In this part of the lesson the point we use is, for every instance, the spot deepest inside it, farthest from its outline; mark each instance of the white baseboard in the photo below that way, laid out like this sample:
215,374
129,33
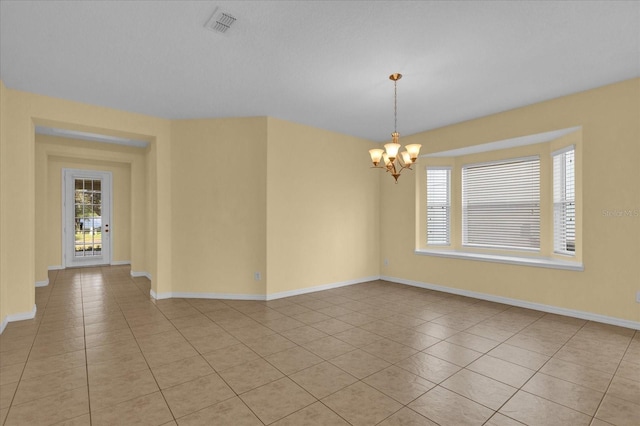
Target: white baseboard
520,303
18,317
297,292
113,263
461,292
136,274
42,283
228,296
272,296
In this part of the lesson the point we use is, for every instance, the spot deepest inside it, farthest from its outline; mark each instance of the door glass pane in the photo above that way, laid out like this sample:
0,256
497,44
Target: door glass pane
88,217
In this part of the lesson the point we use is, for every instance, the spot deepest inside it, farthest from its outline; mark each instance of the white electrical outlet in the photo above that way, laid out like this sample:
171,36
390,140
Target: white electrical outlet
386,262
257,276
638,296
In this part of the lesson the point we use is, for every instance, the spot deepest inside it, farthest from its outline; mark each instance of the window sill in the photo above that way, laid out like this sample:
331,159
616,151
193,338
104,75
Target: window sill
541,262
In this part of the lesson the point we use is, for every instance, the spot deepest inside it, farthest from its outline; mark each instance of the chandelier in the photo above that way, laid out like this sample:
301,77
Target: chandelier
393,163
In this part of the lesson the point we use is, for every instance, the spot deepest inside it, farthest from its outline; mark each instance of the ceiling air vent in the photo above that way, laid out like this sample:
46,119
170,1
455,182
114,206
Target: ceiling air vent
220,21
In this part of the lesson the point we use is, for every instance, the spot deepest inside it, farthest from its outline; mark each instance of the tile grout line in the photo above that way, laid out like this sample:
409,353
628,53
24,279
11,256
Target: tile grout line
263,358
86,357
214,370
142,353
604,395
487,354
540,368
319,400
463,367
35,335
361,380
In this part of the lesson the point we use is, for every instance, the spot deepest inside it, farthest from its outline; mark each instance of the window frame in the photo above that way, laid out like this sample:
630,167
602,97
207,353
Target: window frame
541,145
447,205
565,202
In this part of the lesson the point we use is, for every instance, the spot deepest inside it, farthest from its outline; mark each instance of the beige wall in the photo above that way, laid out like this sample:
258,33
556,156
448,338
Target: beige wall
301,206
4,298
127,165
257,209
322,208
21,112
610,120
18,207
219,205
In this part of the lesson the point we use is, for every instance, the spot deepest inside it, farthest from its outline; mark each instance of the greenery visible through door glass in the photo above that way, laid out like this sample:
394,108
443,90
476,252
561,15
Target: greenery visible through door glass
88,217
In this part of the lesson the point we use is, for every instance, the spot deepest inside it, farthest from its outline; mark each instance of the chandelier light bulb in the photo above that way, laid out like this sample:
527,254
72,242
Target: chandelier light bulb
392,150
376,155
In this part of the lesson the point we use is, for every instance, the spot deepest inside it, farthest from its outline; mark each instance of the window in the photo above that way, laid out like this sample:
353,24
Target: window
514,201
564,202
501,204
438,205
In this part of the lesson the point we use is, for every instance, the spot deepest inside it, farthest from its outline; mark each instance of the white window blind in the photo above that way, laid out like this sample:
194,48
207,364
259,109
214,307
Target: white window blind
501,204
564,202
438,205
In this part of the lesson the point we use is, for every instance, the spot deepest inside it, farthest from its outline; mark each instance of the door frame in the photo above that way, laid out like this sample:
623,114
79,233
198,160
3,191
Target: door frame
107,180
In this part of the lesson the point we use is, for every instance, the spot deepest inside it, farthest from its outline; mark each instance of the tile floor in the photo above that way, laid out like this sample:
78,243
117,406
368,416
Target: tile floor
101,352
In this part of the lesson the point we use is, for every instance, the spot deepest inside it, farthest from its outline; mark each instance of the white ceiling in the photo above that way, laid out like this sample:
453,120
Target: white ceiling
321,63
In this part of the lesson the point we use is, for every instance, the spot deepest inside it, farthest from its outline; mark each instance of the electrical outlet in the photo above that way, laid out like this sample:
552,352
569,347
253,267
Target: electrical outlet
257,276
638,296
386,262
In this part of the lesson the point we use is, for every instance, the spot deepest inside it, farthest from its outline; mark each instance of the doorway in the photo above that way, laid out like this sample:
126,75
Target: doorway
86,215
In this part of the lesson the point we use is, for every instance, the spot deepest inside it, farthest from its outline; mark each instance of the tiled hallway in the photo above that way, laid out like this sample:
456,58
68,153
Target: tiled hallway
101,352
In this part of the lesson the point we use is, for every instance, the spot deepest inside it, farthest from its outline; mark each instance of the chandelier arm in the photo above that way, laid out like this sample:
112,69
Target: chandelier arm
404,166
391,168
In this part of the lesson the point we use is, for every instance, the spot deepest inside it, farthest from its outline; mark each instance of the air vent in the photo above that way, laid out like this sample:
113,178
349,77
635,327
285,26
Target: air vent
220,21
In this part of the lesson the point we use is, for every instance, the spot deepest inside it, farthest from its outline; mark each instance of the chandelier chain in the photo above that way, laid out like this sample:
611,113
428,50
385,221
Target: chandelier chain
395,105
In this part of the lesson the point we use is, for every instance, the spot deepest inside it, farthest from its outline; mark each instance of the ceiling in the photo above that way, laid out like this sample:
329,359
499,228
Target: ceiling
320,63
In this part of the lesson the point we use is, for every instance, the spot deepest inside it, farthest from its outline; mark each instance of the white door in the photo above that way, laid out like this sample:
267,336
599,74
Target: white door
86,218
